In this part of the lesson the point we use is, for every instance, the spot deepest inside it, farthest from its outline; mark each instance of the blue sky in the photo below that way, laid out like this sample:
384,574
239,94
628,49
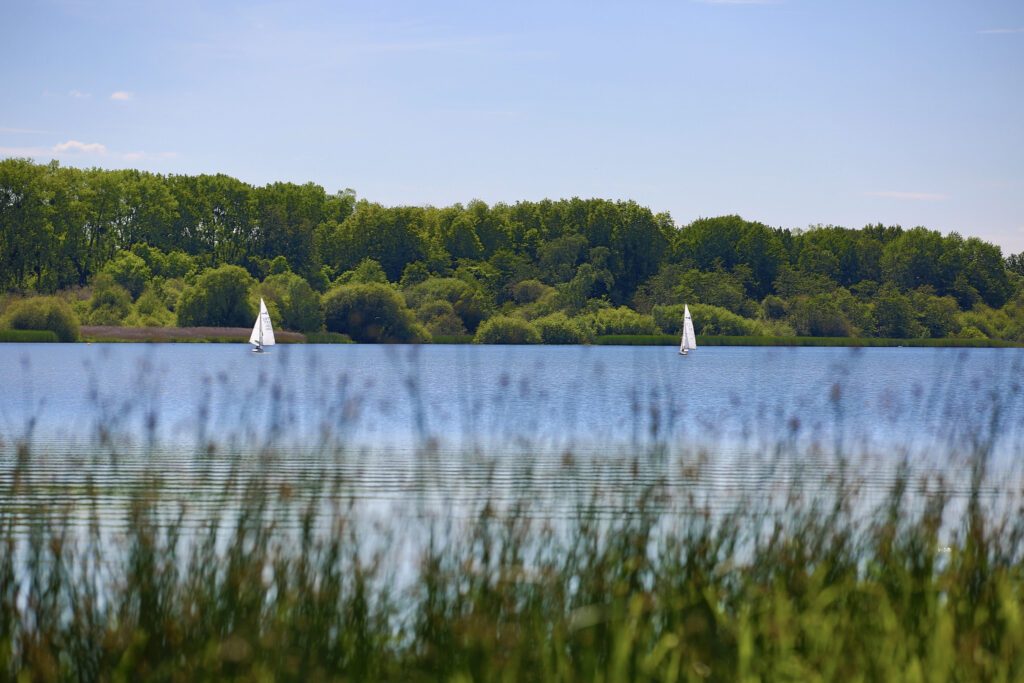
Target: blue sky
791,112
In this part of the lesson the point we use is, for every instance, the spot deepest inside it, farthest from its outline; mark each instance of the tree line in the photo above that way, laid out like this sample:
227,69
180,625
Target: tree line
144,248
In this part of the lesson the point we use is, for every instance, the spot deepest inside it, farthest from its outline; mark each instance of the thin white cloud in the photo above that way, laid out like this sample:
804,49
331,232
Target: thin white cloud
1000,31
75,148
910,196
83,147
78,94
121,96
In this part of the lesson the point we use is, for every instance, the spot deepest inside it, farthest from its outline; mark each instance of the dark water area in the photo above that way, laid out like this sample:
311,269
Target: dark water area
411,428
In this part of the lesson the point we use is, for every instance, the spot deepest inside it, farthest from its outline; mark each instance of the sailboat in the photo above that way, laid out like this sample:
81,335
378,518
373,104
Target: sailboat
262,332
689,339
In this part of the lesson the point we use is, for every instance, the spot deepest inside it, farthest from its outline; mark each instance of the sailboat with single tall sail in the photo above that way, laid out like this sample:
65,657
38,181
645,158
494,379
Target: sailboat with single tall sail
689,339
262,332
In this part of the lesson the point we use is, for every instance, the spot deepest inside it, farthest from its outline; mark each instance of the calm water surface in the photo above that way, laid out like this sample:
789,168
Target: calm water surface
395,421
499,396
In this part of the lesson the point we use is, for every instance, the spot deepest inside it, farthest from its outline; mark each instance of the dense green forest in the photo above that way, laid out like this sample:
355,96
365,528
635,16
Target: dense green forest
124,247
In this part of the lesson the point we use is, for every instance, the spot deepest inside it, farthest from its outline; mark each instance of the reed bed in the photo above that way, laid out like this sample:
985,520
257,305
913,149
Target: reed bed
28,336
265,584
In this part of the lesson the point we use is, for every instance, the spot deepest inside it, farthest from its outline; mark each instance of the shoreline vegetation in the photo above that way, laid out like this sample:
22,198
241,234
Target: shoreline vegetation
124,248
235,335
110,333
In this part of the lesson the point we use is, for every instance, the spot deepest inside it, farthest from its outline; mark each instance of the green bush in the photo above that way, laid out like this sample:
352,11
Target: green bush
529,291
970,332
669,319
558,328
468,301
43,313
278,266
995,323
170,291
936,315
366,272
773,307
709,320
440,318
178,265
503,329
719,288
220,297
371,312
414,274
895,316
151,311
622,320
110,303
297,303
130,271
819,316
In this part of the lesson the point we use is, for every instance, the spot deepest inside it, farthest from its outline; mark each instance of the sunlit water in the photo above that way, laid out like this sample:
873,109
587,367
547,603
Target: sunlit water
409,428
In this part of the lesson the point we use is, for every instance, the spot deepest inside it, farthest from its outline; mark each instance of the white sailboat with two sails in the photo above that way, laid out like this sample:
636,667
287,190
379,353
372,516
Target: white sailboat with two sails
688,342
262,332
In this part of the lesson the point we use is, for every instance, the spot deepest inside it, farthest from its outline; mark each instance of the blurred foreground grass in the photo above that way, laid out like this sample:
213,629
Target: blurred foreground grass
268,586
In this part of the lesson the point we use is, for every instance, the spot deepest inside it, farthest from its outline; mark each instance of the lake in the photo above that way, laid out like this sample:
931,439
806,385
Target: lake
501,397
452,422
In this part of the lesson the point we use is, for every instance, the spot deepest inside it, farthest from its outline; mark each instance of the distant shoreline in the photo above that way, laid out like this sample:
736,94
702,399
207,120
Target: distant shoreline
112,334
856,342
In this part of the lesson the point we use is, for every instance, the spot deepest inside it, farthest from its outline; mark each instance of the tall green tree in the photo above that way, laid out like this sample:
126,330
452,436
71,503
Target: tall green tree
393,237
286,217
915,259
26,234
638,244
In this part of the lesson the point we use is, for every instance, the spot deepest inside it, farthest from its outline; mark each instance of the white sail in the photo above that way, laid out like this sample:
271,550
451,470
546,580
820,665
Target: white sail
688,341
254,338
262,332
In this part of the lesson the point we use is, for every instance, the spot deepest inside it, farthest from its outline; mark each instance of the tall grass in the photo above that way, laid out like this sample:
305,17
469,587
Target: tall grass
265,578
28,336
814,592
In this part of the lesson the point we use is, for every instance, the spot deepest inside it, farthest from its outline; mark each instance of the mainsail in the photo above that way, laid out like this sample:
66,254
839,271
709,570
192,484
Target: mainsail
262,332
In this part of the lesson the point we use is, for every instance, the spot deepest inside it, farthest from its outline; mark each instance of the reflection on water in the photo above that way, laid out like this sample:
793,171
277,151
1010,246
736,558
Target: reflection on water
410,430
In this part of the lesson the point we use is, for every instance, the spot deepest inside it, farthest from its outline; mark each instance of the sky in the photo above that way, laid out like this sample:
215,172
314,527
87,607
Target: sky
790,112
